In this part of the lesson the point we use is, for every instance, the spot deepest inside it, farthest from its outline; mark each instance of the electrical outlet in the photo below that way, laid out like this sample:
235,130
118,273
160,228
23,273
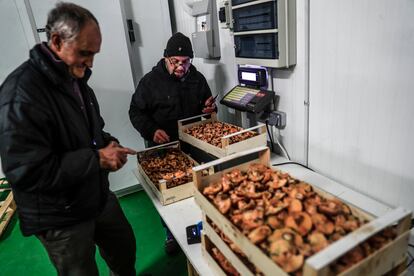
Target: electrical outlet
277,119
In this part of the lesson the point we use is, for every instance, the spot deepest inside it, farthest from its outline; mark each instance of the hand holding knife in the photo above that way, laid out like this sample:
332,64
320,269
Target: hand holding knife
210,104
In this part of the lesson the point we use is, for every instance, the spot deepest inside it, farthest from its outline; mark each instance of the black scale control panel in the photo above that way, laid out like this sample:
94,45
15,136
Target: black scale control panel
247,99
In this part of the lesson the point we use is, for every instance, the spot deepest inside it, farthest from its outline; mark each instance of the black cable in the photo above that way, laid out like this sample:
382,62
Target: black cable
412,260
292,162
270,137
411,256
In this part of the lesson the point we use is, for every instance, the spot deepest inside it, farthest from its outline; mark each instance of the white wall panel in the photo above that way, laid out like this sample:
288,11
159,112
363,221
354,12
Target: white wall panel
14,45
361,91
152,28
291,85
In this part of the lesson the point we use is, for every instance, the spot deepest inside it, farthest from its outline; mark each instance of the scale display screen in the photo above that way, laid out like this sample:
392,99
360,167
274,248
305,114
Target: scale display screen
249,76
247,99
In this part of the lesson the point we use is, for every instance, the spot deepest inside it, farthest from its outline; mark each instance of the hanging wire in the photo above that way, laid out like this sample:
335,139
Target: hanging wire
270,137
293,163
285,153
412,260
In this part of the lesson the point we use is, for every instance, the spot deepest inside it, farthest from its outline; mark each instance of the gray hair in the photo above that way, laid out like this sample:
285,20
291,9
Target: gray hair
67,19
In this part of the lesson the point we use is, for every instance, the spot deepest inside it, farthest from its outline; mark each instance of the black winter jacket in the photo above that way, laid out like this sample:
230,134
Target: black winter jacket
48,148
160,100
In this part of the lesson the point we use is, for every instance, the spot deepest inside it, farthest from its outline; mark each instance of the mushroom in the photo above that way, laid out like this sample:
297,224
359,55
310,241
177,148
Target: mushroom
323,224
179,174
258,167
295,206
294,193
330,207
279,247
274,206
237,219
259,234
292,263
273,222
317,241
252,219
351,224
243,205
225,181
251,191
301,222
213,188
286,234
350,258
276,182
279,195
267,176
222,202
255,176
304,189
168,176
280,252
235,198
236,176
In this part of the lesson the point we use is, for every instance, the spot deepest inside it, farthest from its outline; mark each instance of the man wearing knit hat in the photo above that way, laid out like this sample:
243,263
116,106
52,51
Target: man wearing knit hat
173,90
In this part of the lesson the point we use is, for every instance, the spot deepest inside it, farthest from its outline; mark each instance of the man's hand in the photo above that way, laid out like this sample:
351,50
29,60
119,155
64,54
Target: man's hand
210,105
113,156
161,137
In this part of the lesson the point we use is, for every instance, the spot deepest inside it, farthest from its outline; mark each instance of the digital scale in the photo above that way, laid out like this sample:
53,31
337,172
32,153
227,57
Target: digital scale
248,96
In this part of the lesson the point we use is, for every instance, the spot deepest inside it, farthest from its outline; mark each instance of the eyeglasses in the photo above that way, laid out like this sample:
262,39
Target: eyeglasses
176,63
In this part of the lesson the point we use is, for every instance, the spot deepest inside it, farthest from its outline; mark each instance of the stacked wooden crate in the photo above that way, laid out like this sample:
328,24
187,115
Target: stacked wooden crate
165,194
389,258
7,205
226,146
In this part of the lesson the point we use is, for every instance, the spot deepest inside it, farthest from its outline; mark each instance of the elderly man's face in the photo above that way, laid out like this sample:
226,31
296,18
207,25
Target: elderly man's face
79,53
178,65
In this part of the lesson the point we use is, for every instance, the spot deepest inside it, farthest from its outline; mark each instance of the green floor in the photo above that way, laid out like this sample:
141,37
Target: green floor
22,256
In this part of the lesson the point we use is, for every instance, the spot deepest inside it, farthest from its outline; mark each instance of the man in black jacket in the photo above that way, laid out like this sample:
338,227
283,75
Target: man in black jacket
173,90
56,155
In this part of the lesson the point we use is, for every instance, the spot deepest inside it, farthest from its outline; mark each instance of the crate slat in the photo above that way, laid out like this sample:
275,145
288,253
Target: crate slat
7,209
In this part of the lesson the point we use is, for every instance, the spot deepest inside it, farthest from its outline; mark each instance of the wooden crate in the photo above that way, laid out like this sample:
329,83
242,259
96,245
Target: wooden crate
383,260
7,209
226,148
167,195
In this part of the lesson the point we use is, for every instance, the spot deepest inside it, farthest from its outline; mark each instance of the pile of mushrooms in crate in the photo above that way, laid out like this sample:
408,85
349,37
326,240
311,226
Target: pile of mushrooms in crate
170,165
286,218
213,132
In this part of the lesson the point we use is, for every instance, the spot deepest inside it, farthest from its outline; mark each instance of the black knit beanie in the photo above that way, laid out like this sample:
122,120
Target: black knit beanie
178,45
